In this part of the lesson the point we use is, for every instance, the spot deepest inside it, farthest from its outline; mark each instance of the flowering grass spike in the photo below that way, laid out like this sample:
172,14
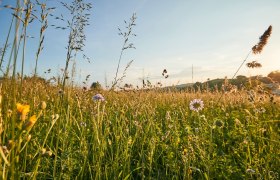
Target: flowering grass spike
196,105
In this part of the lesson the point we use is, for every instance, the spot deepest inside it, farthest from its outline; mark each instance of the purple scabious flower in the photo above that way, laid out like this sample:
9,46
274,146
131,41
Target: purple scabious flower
98,97
196,105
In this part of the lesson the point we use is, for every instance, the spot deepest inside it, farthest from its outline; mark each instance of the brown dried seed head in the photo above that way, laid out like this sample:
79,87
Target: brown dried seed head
254,64
257,49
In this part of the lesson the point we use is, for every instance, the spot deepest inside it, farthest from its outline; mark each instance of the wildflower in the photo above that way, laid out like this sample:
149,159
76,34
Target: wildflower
22,110
98,97
29,124
196,105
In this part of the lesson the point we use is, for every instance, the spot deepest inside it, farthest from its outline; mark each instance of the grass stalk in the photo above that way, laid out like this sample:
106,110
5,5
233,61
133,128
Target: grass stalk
6,43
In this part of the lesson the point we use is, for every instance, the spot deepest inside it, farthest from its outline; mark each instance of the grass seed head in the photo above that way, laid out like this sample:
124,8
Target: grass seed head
254,64
257,49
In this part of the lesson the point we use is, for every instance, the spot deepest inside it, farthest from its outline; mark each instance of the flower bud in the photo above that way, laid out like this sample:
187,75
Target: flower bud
43,105
43,151
28,138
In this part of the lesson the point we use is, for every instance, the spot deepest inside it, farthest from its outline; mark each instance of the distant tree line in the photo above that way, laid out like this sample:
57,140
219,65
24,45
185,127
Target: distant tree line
275,76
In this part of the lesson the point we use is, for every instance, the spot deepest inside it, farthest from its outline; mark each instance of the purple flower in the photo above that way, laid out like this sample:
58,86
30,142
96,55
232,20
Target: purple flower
98,97
196,105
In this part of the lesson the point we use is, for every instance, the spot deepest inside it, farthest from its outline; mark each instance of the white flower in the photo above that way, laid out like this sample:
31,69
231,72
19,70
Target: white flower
196,105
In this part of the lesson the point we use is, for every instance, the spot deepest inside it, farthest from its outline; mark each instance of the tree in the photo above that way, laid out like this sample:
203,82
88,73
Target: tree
275,75
241,77
96,85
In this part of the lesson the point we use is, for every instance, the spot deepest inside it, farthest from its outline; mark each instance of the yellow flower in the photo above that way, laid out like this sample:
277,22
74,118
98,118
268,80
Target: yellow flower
23,110
29,124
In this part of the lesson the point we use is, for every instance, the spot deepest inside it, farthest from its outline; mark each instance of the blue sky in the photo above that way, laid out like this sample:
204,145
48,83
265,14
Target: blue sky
212,35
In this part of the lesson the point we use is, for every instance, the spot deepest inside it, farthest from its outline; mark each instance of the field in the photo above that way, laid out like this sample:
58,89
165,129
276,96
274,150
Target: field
55,129
138,134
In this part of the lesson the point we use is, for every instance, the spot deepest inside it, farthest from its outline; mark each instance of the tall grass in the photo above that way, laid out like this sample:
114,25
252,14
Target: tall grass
126,35
141,135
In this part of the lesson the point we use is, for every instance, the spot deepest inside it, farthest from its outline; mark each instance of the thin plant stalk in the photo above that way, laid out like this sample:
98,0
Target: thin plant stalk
237,71
23,58
15,57
126,45
78,10
44,25
14,173
257,49
6,43
25,24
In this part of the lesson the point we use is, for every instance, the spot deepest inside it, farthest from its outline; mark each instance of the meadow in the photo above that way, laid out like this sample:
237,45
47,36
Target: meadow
135,135
56,130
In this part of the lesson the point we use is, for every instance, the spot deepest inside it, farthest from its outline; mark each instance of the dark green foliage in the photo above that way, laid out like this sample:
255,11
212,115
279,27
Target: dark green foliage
275,76
96,86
